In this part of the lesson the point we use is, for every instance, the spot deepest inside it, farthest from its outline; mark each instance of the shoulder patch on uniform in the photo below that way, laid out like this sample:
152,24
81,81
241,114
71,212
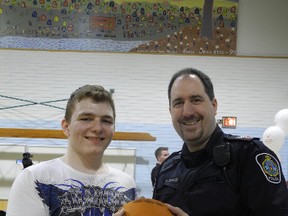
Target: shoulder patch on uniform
270,167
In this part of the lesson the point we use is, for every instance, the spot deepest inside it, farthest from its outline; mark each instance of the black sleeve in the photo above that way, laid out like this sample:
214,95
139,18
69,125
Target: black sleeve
263,186
153,175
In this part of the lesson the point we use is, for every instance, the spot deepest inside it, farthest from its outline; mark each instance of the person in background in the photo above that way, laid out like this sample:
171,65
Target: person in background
161,154
216,173
79,183
27,161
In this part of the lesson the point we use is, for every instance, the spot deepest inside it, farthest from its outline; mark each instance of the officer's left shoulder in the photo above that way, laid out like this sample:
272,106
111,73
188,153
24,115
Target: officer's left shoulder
230,137
244,139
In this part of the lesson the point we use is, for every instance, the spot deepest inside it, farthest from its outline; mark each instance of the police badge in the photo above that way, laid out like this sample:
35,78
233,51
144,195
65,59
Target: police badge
270,167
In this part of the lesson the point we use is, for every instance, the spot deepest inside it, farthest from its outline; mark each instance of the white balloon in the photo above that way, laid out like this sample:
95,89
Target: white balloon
273,138
281,120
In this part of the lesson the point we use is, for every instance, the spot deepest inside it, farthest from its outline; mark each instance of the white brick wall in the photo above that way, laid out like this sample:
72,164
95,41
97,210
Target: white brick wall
253,89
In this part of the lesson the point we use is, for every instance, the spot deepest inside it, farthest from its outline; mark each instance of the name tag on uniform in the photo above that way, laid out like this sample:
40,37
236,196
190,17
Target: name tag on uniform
172,180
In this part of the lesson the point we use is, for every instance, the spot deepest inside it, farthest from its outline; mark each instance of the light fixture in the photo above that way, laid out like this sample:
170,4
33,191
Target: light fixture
229,122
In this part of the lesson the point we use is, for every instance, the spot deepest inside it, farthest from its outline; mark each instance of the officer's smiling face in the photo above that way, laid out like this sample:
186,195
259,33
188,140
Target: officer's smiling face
192,112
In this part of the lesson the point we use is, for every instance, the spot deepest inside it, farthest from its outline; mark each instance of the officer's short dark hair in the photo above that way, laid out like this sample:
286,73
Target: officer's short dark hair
209,89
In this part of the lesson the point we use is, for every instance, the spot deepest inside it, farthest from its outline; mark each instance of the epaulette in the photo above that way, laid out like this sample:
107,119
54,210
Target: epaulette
239,138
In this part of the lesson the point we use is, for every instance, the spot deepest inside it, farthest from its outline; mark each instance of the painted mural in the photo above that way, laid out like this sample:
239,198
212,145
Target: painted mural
201,27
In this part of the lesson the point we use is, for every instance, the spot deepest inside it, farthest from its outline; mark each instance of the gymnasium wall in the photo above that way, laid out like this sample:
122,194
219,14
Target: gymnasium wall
253,89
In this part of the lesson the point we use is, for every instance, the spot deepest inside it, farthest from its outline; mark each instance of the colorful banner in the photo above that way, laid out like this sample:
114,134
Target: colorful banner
200,27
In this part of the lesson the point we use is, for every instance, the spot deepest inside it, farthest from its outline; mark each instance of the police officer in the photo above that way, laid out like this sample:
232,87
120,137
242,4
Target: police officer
161,154
216,173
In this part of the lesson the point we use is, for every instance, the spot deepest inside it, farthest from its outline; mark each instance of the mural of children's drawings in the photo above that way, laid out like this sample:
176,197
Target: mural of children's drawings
200,27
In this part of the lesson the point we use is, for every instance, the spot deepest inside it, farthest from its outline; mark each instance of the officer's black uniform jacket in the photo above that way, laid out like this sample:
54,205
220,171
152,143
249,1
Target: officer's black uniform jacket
242,177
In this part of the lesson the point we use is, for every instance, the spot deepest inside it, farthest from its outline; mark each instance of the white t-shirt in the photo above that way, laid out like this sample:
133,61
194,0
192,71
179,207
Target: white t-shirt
54,188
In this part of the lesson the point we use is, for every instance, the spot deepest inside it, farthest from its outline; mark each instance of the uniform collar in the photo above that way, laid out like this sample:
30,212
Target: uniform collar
194,159
214,140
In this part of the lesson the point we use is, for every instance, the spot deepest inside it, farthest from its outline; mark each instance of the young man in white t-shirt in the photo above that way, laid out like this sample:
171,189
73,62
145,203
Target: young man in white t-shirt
79,183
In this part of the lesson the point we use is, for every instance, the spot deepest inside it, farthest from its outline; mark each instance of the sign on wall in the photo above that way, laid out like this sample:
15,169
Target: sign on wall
205,27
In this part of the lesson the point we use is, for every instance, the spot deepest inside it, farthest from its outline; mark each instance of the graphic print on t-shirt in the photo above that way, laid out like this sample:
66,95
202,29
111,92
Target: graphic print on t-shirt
76,198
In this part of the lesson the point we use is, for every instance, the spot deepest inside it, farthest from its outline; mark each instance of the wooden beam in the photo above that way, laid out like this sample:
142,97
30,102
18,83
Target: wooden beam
58,134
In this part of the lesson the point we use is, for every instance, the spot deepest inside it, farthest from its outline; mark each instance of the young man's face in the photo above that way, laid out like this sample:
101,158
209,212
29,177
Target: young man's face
91,128
192,112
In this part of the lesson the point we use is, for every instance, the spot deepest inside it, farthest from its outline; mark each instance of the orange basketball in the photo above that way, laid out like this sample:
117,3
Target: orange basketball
146,207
